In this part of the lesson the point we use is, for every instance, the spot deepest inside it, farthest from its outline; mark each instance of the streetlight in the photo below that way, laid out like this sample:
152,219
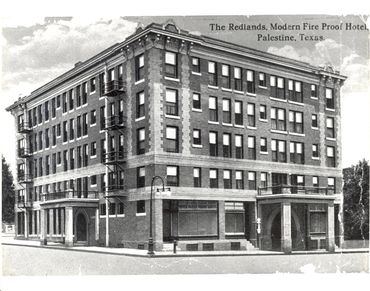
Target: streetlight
150,242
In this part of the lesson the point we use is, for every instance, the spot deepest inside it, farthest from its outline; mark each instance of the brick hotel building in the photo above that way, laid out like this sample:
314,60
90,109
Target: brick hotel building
249,144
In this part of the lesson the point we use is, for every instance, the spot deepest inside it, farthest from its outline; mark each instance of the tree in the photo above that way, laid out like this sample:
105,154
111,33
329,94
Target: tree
356,201
8,193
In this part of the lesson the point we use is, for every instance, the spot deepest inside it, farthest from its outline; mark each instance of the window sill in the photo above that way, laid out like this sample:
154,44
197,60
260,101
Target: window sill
140,118
279,131
213,122
239,126
196,110
172,116
331,138
120,215
199,146
196,73
263,87
296,103
238,92
226,89
92,157
59,137
92,125
263,120
314,98
227,124
46,121
264,153
58,108
213,87
140,214
316,158
315,128
278,99
297,134
251,127
93,186
84,105
251,94
93,92
140,81
172,79
330,109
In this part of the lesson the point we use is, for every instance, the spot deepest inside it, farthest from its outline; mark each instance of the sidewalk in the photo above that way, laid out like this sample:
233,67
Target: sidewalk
143,253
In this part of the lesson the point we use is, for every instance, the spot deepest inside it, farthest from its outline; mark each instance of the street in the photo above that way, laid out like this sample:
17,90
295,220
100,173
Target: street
21,260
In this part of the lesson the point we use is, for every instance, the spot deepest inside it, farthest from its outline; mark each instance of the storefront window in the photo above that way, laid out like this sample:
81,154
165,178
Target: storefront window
234,218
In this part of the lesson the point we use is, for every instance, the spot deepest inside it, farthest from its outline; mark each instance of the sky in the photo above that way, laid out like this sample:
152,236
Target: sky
37,49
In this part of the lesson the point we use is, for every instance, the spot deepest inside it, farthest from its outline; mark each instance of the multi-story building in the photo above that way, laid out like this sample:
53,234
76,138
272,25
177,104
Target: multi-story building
249,144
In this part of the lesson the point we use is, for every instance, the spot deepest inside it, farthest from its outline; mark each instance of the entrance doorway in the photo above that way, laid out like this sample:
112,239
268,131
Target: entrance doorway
276,233
81,227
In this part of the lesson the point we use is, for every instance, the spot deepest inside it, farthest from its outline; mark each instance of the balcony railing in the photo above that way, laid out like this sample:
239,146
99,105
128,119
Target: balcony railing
114,157
114,187
114,88
114,122
295,190
24,178
24,152
24,127
68,194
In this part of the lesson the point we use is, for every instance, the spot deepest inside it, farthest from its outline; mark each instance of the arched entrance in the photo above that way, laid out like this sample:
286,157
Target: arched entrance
81,227
276,233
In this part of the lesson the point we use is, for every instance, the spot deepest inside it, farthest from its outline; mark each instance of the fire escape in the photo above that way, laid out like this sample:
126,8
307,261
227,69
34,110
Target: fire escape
114,124
24,168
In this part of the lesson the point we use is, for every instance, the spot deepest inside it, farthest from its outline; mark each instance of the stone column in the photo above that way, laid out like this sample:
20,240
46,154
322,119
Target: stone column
51,222
330,227
97,224
43,226
69,226
221,219
259,215
158,221
56,231
107,222
341,226
62,226
26,217
286,228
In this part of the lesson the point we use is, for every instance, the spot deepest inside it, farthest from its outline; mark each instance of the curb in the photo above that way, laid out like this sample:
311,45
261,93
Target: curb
162,255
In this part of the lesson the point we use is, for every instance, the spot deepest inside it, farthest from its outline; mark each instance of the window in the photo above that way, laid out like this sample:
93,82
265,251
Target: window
197,137
252,180
85,153
92,117
296,121
262,79
171,64
263,144
40,140
226,114
172,139
212,73
46,105
71,129
278,149
329,98
54,136
78,96
296,152
330,127
226,145
102,182
196,101
172,176
53,109
331,185
313,91
315,183
102,117
251,115
238,84
92,85
213,145
213,109
239,149
140,177
238,112
70,99
93,180
278,119
139,65
280,88
34,114
315,150
140,206
297,182
120,208
65,160
140,104
71,159
250,82
197,177
213,179
39,113
225,73
84,124
47,140
103,149
234,218
314,123
140,141
41,167
93,149
263,180
239,181
273,87
171,102
195,65
64,98
227,179
79,157
330,156
263,113
295,91
251,147
79,131
58,101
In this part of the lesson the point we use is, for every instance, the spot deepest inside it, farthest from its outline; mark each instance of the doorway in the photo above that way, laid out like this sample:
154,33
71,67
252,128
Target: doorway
276,233
278,180
81,228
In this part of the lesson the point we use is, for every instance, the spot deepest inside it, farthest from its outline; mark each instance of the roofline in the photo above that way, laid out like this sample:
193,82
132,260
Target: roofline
205,41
